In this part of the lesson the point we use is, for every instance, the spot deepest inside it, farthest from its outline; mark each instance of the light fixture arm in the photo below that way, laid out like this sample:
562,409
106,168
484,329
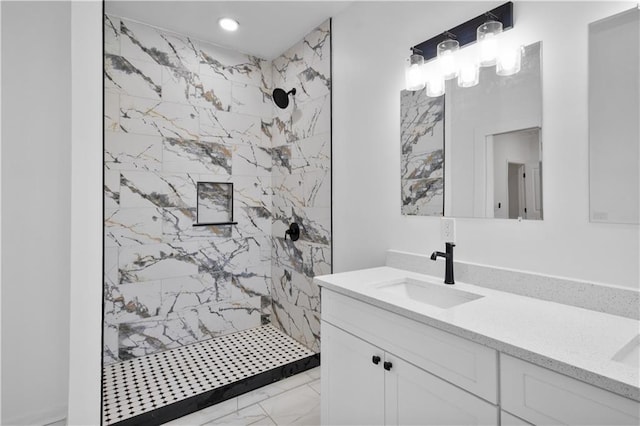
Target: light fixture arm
490,16
450,35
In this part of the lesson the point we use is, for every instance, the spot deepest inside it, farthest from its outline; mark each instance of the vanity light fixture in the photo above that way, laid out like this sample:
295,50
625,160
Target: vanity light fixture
432,74
509,61
447,57
445,51
435,85
468,68
469,74
413,71
228,24
487,36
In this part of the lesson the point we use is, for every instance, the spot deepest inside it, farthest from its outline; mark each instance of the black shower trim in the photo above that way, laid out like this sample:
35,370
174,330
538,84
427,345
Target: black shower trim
215,223
215,396
104,215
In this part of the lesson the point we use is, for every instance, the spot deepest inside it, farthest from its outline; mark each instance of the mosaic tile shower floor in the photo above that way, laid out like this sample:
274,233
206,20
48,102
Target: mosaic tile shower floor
141,385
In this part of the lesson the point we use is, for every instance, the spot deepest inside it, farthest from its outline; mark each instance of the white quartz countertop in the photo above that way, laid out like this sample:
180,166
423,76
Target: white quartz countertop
577,342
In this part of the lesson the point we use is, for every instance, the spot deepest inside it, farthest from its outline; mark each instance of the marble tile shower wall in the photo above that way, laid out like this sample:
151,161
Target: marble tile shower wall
179,111
301,178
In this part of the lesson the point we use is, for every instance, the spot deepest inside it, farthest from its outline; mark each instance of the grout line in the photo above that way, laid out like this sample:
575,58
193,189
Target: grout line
224,415
271,418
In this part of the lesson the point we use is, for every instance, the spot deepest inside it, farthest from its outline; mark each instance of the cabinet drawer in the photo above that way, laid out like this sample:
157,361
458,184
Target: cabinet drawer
454,359
544,397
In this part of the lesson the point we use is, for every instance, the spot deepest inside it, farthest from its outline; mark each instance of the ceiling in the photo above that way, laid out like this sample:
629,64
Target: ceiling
267,28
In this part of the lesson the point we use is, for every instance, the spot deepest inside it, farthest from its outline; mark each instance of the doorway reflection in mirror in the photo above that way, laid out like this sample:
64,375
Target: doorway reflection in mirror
516,192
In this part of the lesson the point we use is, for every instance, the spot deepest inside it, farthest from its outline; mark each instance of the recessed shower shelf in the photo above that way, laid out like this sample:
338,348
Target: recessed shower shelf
215,204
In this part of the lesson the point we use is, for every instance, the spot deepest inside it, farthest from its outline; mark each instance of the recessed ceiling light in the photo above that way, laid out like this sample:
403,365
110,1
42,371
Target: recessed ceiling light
228,24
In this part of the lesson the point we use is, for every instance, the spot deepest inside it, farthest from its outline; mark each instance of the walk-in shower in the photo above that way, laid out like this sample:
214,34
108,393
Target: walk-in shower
206,296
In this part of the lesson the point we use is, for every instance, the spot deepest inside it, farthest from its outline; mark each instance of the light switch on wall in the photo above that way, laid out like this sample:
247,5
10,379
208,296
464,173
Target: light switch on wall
448,229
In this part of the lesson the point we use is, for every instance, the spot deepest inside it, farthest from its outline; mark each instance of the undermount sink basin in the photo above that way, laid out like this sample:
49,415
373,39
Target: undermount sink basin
630,353
439,295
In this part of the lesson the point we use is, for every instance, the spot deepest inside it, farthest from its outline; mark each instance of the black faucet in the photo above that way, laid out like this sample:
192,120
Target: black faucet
448,270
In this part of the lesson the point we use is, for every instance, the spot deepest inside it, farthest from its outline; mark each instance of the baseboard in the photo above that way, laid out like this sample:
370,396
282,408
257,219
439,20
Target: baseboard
43,418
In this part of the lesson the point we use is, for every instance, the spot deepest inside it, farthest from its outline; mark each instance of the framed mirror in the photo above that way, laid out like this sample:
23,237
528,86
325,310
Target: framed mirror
476,152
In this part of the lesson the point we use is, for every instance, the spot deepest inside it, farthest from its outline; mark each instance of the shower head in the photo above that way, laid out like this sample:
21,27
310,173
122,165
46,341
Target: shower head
281,98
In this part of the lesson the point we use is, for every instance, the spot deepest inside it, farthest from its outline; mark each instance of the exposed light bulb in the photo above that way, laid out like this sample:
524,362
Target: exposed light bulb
509,61
435,86
447,58
488,51
469,75
228,24
487,39
414,76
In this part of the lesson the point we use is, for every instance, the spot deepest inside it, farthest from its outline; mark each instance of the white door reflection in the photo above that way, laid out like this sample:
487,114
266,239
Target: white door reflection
514,178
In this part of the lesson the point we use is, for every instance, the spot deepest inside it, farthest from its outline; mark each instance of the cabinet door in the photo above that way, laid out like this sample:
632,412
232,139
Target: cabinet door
352,385
415,397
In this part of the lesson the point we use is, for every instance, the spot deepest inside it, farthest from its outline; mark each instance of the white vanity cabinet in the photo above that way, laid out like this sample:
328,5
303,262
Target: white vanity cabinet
365,385
367,379
379,367
543,397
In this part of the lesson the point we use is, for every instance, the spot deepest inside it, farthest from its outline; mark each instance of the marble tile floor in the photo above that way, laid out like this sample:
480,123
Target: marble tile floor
291,401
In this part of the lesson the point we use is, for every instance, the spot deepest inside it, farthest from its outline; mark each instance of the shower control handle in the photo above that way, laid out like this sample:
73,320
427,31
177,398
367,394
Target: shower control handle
375,359
293,232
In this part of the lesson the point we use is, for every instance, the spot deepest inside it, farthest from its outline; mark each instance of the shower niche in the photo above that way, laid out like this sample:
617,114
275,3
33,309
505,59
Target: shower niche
214,204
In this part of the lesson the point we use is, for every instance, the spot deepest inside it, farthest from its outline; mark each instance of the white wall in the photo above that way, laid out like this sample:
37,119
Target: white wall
371,42
36,179
86,214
